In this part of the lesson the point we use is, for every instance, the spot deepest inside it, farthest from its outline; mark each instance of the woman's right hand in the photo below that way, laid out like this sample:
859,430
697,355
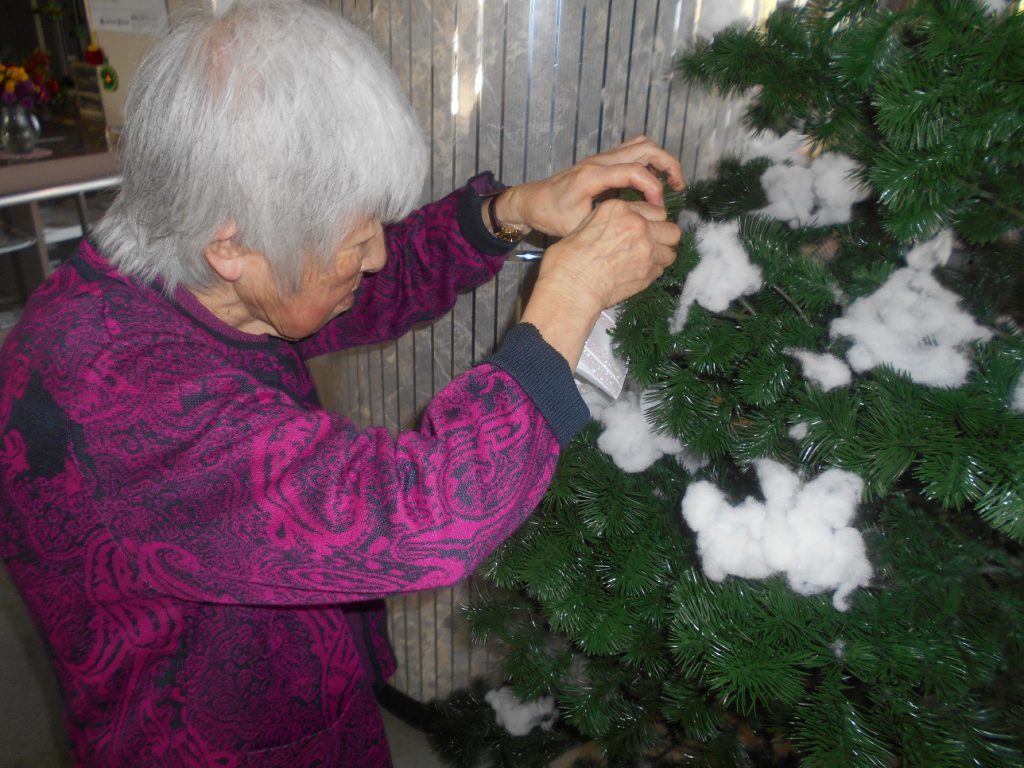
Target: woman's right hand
618,250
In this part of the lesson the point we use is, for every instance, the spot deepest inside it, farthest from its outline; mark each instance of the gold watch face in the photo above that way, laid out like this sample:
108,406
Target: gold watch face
509,234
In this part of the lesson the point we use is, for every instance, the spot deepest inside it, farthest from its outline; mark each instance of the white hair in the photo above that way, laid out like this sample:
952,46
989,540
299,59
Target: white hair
275,115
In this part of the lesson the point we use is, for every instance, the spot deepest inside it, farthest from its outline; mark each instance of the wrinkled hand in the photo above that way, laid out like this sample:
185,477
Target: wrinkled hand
556,205
617,250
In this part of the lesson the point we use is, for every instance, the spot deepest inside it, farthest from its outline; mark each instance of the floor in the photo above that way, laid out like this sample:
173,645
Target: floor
31,735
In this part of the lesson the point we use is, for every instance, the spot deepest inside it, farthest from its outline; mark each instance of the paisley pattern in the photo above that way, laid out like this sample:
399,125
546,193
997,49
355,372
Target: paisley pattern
203,548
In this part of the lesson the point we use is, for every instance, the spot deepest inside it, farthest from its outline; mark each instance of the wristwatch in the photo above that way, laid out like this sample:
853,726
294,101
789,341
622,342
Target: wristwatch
501,231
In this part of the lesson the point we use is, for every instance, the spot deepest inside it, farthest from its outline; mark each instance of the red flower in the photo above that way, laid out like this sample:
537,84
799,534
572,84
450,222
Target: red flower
94,55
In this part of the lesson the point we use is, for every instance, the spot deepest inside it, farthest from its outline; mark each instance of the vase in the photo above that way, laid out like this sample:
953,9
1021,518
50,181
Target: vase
19,129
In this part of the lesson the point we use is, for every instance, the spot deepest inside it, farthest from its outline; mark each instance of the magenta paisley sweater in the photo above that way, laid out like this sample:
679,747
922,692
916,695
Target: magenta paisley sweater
204,548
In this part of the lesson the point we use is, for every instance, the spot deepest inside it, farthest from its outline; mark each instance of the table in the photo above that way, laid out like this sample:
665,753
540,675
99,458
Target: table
24,185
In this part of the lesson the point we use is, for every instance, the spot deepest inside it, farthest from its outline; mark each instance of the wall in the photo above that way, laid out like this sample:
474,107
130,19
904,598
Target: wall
124,51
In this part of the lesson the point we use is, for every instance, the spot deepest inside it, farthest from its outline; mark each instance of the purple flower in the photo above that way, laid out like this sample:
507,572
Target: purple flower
8,97
27,102
25,89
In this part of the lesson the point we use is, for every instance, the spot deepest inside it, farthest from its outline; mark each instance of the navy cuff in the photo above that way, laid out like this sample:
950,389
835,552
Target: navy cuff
469,214
545,375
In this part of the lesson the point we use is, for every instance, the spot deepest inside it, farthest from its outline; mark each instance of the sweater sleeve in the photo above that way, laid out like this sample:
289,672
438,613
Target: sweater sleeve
229,491
434,254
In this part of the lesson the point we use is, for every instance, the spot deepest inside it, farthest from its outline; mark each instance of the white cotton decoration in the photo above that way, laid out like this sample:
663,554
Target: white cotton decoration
799,431
931,253
628,438
818,194
827,371
836,189
688,219
913,323
803,190
996,6
801,530
690,461
788,148
723,274
518,718
790,191
1018,396
595,399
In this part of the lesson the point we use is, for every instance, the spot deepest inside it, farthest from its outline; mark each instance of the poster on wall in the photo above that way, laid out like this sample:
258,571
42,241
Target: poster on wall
145,16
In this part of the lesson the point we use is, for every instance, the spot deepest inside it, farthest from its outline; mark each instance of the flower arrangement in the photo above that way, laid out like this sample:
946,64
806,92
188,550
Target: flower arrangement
30,84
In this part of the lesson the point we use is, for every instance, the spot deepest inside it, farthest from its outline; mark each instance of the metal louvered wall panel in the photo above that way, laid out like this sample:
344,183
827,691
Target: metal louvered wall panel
523,88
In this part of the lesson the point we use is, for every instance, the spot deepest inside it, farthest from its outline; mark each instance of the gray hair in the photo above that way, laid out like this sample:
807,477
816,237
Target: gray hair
276,115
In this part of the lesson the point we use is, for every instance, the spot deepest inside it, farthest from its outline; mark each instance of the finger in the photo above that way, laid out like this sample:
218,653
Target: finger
584,221
639,138
665,233
664,163
643,150
649,211
664,256
603,177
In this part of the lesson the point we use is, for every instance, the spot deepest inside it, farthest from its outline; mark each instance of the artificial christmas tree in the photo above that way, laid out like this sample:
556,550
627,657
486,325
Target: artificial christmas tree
796,540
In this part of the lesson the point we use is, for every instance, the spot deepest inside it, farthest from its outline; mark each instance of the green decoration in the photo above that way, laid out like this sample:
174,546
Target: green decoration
601,599
108,77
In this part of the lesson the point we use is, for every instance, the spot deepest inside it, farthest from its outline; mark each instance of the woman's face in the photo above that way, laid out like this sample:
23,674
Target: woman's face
324,293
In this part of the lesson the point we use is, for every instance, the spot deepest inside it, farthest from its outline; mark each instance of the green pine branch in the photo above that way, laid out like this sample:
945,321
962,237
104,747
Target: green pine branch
600,599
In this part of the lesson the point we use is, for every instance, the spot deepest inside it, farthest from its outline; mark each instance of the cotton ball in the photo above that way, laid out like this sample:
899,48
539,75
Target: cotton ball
799,431
836,188
800,530
596,400
790,191
849,567
827,371
728,538
779,484
788,148
732,545
997,6
688,219
723,274
692,462
812,556
1018,396
725,271
931,253
518,718
628,437
701,504
803,191
832,496
913,323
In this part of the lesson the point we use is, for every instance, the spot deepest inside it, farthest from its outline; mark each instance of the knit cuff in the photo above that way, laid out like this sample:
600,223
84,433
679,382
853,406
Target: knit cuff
546,377
469,214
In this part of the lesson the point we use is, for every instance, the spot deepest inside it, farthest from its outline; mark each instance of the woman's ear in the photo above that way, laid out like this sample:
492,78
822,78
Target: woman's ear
225,256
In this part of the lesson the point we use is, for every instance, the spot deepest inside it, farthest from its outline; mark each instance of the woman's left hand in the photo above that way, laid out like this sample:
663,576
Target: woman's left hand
556,205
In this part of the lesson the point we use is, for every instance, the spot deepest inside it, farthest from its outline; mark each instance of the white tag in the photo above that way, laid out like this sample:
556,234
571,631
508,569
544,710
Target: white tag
598,364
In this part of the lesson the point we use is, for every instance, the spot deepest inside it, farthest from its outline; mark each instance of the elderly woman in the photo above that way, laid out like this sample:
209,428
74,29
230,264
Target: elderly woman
202,546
